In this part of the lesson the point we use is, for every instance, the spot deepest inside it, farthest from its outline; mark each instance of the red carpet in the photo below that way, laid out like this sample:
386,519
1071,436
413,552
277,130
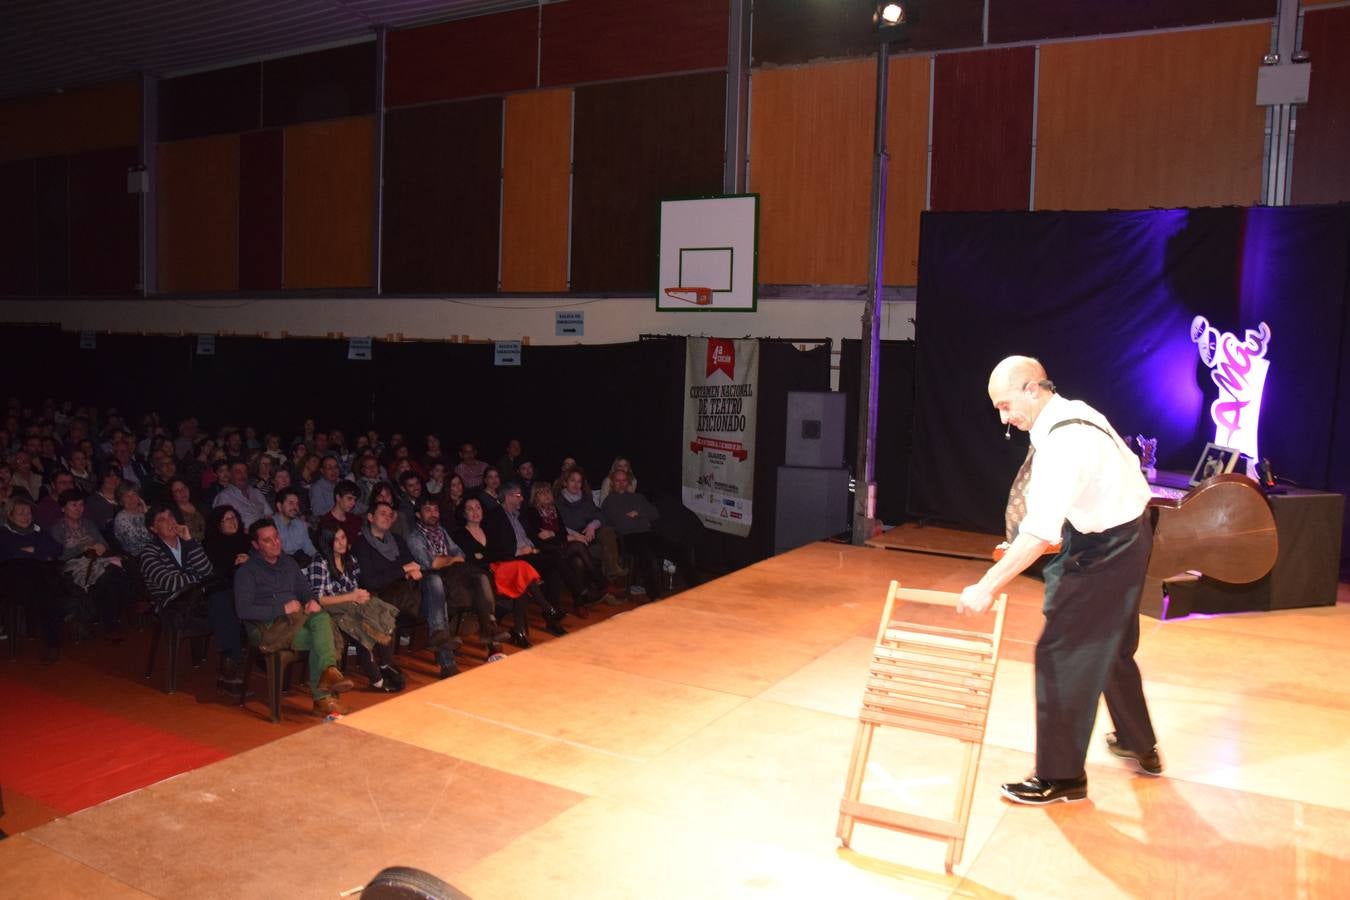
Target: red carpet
70,756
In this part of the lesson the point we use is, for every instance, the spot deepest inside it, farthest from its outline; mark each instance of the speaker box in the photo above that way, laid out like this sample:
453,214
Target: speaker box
815,429
813,504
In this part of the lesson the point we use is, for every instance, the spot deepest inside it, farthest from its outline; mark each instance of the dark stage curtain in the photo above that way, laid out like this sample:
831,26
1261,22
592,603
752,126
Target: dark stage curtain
895,420
1105,300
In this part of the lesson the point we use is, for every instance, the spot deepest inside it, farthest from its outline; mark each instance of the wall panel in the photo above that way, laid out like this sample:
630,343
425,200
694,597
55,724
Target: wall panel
791,32
215,102
1030,20
537,143
907,176
18,270
329,84
329,204
199,215
815,194
464,58
597,40
982,123
1322,147
104,223
261,202
94,118
635,143
52,225
1163,120
442,197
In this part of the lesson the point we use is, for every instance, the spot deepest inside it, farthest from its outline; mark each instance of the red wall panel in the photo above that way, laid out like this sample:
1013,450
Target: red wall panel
18,275
1322,149
442,202
1030,20
464,58
328,84
214,102
104,223
982,124
636,142
601,40
261,156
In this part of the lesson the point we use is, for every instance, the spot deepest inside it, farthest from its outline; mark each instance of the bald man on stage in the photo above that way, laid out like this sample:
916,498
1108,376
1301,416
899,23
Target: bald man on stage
1086,490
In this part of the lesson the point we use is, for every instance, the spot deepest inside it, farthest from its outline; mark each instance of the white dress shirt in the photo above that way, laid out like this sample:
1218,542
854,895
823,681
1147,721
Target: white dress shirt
1080,474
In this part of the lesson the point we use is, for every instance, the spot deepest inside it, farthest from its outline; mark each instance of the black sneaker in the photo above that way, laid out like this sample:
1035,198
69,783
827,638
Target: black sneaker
448,671
1037,791
1149,763
393,676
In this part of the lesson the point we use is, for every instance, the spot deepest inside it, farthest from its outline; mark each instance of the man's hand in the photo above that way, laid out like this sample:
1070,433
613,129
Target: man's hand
974,600
313,607
240,559
632,514
291,608
183,533
99,549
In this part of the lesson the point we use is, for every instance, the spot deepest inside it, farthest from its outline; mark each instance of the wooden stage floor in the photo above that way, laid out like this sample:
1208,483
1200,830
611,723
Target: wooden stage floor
697,747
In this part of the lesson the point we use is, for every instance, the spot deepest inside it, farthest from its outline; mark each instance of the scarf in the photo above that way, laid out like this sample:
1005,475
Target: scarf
437,540
571,497
386,548
31,530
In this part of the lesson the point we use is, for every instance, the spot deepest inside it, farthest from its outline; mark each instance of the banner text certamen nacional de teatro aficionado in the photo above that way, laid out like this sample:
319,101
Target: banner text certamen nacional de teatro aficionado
721,379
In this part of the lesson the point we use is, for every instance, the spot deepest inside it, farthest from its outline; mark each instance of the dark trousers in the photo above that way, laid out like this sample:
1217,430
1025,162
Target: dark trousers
212,609
1092,590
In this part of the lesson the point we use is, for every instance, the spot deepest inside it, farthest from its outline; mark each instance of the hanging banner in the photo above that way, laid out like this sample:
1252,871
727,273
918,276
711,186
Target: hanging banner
720,380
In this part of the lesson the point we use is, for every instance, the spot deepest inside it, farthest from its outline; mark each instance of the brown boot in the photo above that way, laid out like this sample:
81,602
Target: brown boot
333,681
329,706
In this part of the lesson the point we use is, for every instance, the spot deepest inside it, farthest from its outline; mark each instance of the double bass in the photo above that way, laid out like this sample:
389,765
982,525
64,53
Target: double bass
1222,527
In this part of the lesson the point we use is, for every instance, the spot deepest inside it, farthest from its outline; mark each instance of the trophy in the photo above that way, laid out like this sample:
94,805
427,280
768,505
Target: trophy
1148,455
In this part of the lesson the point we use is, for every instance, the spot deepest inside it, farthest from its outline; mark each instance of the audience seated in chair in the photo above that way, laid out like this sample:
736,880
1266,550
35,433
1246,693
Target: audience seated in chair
465,586
631,516
129,523
334,575
89,567
470,467
247,501
275,600
389,571
580,570
30,574
174,562
321,492
513,578
342,514
48,511
294,531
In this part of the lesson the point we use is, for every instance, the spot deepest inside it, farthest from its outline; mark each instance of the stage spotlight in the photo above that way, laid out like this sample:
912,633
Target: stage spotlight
886,16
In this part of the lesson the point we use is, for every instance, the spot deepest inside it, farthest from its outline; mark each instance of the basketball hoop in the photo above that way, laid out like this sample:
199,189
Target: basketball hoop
699,296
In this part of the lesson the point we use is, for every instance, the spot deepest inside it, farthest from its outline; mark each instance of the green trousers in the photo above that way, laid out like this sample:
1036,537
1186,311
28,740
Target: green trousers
316,637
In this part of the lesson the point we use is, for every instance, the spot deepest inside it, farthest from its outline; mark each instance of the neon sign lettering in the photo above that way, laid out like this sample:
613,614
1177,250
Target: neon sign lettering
1239,370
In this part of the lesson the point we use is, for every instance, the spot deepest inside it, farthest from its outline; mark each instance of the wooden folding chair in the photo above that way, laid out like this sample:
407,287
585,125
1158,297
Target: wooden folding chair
932,679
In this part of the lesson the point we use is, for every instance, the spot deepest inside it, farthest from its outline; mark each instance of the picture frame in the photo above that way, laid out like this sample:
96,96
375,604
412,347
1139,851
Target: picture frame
1215,459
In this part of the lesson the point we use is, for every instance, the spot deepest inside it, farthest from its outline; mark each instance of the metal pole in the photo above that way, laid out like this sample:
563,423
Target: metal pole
738,98
865,496
377,245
